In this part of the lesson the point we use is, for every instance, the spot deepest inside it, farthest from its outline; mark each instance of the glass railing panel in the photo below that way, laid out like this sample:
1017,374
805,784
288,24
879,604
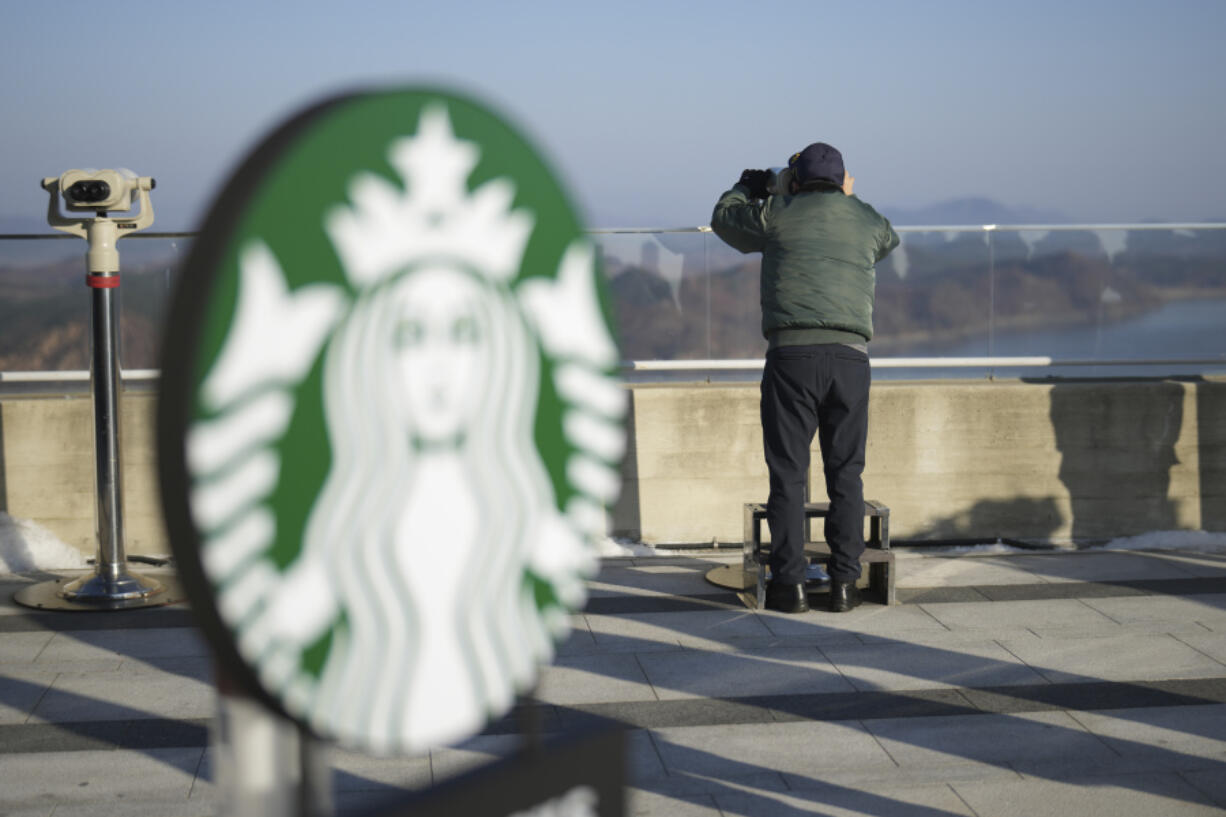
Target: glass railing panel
1054,291
736,313
1185,272
661,294
1095,294
150,270
1109,295
934,299
45,305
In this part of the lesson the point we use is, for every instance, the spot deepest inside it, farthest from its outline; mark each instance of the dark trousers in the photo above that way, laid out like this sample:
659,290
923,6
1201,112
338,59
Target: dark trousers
822,389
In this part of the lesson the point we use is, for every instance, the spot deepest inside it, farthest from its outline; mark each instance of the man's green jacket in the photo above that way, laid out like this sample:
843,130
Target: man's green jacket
818,251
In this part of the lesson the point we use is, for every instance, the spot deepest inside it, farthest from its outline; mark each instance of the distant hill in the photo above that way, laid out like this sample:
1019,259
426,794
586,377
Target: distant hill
971,211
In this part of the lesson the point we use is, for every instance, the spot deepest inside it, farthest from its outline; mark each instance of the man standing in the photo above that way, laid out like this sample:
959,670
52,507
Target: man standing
819,244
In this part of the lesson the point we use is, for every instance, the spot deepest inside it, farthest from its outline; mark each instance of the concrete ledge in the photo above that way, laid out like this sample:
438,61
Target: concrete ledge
1051,461
47,468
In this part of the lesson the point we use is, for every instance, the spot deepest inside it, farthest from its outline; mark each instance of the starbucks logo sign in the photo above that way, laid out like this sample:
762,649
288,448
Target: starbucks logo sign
389,427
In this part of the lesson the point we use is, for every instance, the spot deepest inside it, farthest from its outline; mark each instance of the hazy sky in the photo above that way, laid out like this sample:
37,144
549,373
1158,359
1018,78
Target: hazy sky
1106,111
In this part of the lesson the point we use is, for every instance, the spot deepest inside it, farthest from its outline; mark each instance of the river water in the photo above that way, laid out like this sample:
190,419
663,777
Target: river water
1194,328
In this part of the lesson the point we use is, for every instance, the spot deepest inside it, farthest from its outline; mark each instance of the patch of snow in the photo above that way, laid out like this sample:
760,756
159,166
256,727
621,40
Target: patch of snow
984,549
1198,541
26,546
611,547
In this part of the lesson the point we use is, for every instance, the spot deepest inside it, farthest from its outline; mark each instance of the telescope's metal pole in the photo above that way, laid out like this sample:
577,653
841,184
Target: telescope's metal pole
111,586
111,581
104,382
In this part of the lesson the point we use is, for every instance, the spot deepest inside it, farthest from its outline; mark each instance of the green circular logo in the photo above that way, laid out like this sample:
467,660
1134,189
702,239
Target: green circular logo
390,426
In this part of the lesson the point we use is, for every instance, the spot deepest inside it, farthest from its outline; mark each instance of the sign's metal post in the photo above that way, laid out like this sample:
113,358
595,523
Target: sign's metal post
110,586
315,781
265,764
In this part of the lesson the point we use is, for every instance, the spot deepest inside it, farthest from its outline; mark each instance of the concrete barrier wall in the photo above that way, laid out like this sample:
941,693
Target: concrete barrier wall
47,468
1050,461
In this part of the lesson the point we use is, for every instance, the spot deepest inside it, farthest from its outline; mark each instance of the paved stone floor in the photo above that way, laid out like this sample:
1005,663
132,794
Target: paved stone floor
1039,683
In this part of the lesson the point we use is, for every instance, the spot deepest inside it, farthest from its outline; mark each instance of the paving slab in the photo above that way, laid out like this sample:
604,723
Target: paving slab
1166,613
200,669
867,619
22,648
354,771
1171,736
645,803
364,802
580,639
866,705
776,671
25,810
1210,782
168,642
1211,644
735,709
1005,616
98,776
665,568
689,785
1000,739
757,643
678,712
918,570
803,749
899,801
1166,794
643,763
876,778
451,761
647,631
137,806
643,757
1077,768
937,639
704,561
1128,657
1194,564
94,665
925,666
594,678
21,688
1098,566
676,580
1089,696
100,735
100,697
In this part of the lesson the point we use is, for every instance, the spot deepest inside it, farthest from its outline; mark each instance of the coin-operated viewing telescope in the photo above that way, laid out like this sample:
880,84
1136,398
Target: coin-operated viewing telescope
89,197
99,192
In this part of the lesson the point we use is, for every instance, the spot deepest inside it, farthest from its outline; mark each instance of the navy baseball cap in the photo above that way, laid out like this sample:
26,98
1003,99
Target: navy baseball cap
819,162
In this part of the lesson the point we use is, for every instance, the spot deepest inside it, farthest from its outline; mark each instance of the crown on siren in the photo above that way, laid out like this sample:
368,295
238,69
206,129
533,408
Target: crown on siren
434,217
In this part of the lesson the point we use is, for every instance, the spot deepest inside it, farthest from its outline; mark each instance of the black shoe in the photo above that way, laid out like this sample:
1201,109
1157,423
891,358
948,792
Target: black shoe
786,598
843,596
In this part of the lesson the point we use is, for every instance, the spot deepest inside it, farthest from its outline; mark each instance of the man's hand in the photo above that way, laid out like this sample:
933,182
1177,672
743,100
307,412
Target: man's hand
849,181
756,181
